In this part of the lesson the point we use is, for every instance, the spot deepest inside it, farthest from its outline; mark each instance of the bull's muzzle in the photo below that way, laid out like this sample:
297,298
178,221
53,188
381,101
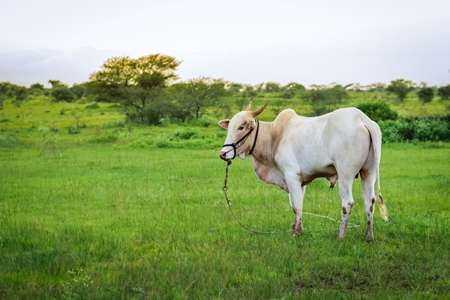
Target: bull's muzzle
223,155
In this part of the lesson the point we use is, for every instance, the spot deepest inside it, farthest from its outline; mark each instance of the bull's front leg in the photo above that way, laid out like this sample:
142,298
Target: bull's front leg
296,195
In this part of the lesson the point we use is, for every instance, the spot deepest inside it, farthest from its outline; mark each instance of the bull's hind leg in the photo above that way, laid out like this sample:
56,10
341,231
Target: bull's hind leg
368,181
345,191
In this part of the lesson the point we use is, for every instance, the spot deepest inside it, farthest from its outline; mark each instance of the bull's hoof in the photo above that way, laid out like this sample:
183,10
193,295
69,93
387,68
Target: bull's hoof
297,231
341,237
369,237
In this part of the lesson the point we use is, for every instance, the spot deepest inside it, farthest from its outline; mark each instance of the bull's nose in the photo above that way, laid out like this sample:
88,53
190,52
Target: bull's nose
222,155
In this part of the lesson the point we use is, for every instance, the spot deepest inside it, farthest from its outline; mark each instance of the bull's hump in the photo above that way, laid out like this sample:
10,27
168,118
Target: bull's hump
285,116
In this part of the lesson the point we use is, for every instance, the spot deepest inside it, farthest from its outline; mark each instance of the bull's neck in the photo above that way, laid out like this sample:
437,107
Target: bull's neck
264,146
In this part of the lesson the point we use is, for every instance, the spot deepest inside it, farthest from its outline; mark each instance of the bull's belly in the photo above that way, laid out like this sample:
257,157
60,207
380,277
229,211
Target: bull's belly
329,173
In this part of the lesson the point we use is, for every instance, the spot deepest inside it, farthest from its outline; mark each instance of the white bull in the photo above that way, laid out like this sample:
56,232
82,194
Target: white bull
292,151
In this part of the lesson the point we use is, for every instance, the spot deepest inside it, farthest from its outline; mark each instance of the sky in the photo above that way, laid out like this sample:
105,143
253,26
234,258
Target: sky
245,41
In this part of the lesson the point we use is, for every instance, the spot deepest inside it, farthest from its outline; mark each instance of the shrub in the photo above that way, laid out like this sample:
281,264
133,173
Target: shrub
110,138
204,121
139,144
92,105
189,139
432,128
163,141
390,131
378,111
73,130
185,134
8,140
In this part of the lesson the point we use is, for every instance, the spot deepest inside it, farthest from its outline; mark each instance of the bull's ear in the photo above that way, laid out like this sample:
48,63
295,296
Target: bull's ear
224,124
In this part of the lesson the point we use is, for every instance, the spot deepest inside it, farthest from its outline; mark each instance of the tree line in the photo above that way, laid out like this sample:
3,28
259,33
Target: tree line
149,90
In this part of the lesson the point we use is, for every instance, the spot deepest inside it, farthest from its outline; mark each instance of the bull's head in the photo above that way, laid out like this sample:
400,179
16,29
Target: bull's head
239,129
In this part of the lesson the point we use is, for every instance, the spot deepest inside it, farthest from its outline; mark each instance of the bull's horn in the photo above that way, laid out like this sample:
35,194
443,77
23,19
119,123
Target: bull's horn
249,105
259,110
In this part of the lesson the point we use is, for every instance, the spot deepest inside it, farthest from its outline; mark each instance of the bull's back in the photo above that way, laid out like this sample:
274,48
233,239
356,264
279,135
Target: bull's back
347,137
302,144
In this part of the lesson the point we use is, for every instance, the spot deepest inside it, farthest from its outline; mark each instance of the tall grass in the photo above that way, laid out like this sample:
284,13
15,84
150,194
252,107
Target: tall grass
115,220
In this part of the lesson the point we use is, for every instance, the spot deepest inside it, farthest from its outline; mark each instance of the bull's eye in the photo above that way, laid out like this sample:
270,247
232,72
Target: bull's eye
241,128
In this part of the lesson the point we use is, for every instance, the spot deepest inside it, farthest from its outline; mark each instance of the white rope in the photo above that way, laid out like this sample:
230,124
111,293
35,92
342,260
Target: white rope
350,225
225,189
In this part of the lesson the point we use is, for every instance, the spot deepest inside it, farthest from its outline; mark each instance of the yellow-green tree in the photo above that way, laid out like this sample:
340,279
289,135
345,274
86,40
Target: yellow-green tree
138,84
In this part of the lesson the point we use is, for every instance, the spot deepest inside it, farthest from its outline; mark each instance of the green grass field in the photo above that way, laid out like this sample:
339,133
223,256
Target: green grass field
86,216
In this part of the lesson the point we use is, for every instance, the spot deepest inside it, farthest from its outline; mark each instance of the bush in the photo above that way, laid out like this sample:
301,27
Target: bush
163,141
378,111
139,144
73,130
8,140
190,139
110,138
185,134
93,105
432,128
390,131
62,93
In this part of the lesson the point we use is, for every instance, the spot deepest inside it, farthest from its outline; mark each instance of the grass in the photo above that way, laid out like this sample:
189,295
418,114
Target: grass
128,219
120,211
42,112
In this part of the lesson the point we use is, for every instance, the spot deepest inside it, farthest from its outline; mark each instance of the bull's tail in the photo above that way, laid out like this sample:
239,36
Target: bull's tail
375,134
383,209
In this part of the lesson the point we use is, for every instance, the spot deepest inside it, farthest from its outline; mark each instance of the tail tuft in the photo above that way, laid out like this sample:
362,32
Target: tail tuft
383,209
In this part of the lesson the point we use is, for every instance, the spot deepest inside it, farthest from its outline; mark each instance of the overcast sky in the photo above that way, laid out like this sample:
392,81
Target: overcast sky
245,41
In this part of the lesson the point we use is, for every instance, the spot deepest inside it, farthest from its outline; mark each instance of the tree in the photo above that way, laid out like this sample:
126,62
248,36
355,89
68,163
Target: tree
6,91
376,87
60,91
79,90
242,100
235,88
194,96
12,91
136,83
401,88
21,93
36,89
444,92
356,87
251,91
272,87
62,94
247,92
324,99
259,88
425,94
291,89
277,104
